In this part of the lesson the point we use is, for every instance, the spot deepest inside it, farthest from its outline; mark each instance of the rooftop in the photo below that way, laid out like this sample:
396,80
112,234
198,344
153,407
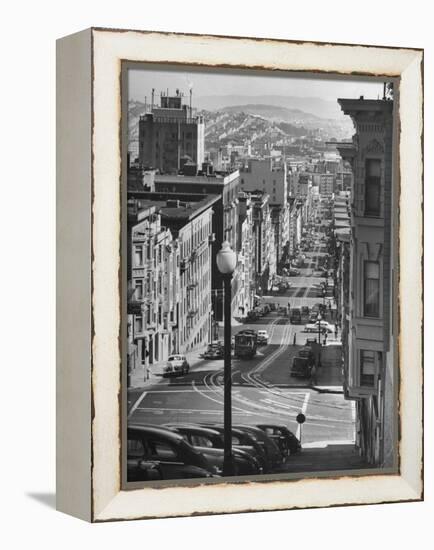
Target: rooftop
171,208
217,178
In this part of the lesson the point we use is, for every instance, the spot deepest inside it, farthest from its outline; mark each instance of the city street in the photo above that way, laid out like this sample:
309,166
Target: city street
263,390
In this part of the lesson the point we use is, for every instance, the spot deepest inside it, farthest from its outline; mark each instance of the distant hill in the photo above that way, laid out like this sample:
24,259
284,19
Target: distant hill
273,112
313,105
252,121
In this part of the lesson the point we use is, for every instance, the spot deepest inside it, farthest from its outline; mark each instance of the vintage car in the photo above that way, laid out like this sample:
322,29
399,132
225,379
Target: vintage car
263,337
167,451
286,440
177,365
211,444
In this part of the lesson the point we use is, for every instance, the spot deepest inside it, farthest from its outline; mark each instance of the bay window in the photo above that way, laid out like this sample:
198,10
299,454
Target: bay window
372,187
371,291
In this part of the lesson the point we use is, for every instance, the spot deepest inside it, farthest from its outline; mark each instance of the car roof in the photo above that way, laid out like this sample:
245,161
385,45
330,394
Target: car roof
156,431
196,428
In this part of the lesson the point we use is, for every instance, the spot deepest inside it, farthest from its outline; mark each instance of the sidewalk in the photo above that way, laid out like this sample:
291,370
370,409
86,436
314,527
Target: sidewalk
325,456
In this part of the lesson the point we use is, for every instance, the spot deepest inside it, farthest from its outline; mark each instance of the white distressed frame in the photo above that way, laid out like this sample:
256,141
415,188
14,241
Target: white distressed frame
107,501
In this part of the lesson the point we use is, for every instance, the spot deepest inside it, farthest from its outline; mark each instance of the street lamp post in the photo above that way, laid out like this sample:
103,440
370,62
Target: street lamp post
226,262
319,339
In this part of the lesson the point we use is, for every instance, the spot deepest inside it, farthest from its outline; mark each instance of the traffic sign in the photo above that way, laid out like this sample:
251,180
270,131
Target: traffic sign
301,418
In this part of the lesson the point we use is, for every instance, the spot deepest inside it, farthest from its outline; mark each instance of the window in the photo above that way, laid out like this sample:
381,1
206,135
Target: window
138,324
135,448
372,187
162,450
138,255
139,289
201,441
367,368
371,293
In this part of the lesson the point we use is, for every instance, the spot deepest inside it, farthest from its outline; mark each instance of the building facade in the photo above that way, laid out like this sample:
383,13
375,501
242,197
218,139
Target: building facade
263,240
170,132
152,302
246,256
369,371
271,178
225,221
169,299
262,175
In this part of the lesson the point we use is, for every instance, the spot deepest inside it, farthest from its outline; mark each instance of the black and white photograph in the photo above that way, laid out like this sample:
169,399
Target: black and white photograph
259,263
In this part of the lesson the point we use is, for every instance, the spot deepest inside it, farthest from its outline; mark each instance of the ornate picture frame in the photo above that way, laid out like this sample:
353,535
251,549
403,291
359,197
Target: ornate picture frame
90,372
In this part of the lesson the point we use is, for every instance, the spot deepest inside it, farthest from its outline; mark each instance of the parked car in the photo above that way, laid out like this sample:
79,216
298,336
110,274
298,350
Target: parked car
176,459
271,449
140,469
263,337
295,316
211,444
321,292
305,310
214,352
216,343
301,367
176,365
241,439
313,317
286,440
293,272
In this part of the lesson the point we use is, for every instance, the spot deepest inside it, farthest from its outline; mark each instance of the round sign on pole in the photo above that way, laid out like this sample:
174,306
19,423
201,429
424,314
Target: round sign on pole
300,418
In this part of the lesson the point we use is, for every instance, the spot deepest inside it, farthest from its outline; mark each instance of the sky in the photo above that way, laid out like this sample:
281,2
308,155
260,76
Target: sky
208,83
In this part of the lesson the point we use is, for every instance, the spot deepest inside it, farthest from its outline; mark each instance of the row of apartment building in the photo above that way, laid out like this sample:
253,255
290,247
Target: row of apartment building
176,226
364,236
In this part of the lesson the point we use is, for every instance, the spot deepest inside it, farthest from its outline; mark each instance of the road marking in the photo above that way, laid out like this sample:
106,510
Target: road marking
279,404
136,404
177,391
303,410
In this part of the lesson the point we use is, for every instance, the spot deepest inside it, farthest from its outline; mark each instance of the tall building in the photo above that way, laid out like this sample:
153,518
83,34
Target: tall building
325,183
261,175
265,176
263,239
246,256
151,305
225,220
369,372
169,133
191,226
